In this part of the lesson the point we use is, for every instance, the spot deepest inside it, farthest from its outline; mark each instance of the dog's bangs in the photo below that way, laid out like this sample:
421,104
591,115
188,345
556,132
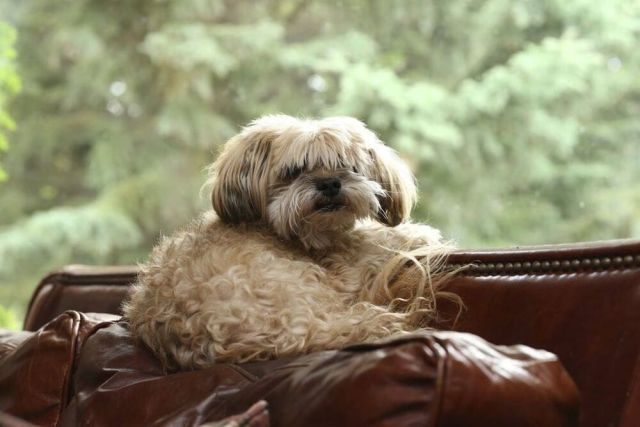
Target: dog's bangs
326,150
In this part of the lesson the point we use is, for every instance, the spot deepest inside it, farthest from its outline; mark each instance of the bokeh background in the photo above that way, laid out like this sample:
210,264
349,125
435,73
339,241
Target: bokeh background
520,118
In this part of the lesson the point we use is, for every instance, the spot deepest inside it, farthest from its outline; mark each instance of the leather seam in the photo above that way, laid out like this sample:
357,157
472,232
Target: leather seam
550,266
118,280
247,375
75,330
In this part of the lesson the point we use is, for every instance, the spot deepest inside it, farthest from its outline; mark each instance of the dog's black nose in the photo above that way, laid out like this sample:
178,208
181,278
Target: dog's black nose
329,187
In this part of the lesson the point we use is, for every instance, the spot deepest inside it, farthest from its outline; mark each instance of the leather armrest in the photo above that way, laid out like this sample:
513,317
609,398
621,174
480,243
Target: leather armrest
9,340
35,368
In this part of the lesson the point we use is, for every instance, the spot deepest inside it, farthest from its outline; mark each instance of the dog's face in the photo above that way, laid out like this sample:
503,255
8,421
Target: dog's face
310,179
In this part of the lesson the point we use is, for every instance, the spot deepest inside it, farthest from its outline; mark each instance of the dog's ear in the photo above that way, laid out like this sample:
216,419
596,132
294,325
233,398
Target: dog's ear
395,177
239,178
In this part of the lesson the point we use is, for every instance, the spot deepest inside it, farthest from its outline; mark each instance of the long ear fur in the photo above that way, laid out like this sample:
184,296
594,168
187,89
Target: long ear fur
239,178
394,176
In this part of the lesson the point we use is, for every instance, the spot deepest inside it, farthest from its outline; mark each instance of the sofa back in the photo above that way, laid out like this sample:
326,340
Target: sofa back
579,301
88,289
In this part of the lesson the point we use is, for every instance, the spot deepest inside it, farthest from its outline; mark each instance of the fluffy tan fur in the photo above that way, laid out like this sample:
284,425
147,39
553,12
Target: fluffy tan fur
281,268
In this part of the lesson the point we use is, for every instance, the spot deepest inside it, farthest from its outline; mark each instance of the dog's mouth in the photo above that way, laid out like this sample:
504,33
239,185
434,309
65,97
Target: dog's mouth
330,206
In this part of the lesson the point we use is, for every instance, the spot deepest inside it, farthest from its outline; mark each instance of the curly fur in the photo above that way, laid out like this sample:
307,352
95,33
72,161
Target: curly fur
280,268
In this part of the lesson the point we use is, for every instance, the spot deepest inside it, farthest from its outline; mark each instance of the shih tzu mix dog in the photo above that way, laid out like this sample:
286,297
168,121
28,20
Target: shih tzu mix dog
308,248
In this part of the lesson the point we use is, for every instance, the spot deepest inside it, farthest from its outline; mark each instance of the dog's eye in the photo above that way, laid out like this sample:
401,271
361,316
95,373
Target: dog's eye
291,173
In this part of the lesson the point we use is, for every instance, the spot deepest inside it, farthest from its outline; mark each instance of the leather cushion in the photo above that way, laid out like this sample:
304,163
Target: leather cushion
432,378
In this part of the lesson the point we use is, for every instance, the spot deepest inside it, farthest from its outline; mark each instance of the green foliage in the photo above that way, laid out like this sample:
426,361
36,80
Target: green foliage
9,85
8,319
518,117
60,235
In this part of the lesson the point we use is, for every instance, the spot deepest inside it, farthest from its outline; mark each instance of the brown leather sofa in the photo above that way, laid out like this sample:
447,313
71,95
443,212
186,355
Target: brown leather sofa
580,302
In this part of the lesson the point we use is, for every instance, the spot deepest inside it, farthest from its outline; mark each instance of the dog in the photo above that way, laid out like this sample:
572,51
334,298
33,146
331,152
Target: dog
308,247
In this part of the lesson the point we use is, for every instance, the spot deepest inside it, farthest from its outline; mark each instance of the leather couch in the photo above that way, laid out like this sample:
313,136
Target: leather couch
76,364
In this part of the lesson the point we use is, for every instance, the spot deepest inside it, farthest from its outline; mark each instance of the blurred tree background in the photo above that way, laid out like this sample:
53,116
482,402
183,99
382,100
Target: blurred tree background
520,118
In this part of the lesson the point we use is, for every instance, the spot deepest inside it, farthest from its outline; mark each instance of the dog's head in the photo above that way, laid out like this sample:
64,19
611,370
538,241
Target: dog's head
308,179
